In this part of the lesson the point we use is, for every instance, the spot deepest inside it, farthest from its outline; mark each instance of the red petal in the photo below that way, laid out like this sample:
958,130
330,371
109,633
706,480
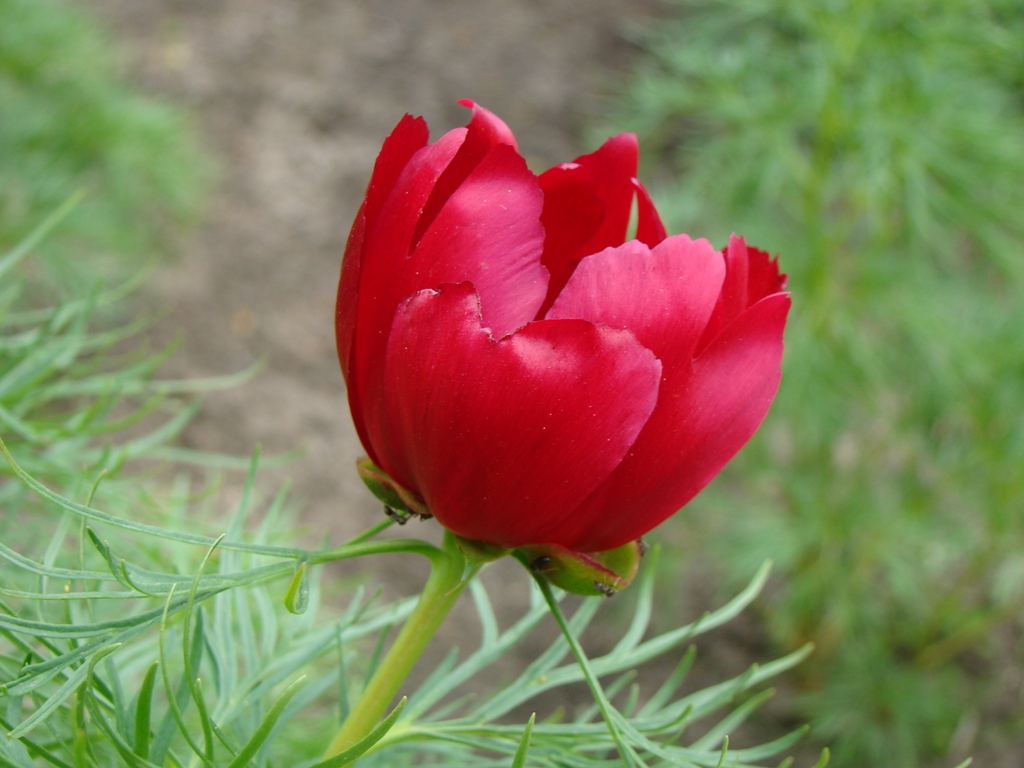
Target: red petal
610,170
390,237
649,229
484,132
485,229
488,126
613,167
503,438
750,275
489,233
345,312
572,215
384,251
664,296
408,137
348,291
699,424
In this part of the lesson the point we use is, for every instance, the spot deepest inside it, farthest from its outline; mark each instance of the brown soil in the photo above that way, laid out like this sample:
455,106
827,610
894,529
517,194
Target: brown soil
293,99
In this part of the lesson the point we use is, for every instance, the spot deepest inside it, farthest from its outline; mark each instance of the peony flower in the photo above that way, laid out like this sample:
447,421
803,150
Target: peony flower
522,372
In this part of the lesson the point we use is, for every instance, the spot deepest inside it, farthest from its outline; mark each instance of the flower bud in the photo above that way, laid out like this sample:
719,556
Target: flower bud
523,371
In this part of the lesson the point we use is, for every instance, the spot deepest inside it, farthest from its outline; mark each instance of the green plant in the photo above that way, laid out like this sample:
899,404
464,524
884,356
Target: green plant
877,145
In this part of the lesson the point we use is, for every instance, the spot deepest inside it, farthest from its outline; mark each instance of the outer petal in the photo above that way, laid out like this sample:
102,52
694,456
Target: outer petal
381,237
503,438
409,136
665,295
613,166
700,423
391,235
347,304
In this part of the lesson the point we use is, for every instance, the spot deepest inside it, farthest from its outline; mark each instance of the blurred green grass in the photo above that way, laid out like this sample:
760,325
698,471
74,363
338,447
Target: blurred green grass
878,146
70,121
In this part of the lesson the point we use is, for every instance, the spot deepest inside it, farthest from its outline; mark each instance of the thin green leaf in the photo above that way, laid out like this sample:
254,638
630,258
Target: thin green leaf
524,744
266,727
364,744
58,697
188,643
36,749
174,708
143,712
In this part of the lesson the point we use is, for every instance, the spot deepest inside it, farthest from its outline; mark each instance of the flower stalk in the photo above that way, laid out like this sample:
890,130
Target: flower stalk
450,572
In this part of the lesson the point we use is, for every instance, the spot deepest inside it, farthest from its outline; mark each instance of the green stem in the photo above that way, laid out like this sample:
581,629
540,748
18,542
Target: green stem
449,574
611,716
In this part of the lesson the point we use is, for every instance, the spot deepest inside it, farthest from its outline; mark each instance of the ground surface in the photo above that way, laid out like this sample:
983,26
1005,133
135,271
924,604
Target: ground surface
294,98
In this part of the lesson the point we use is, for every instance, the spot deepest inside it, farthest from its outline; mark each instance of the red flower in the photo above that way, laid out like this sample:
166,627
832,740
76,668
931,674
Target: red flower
522,371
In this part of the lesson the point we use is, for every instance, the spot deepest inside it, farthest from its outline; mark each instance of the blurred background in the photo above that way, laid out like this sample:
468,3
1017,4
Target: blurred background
221,148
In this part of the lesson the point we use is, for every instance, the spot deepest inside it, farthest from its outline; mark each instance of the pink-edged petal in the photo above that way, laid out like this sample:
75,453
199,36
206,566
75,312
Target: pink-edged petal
488,233
700,423
750,275
549,412
649,229
484,132
664,296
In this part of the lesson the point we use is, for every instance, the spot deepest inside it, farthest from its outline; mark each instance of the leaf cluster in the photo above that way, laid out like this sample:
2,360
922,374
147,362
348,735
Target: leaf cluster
108,660
79,393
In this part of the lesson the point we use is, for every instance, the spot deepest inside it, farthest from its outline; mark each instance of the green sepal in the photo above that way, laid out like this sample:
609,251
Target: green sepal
480,552
394,496
585,573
